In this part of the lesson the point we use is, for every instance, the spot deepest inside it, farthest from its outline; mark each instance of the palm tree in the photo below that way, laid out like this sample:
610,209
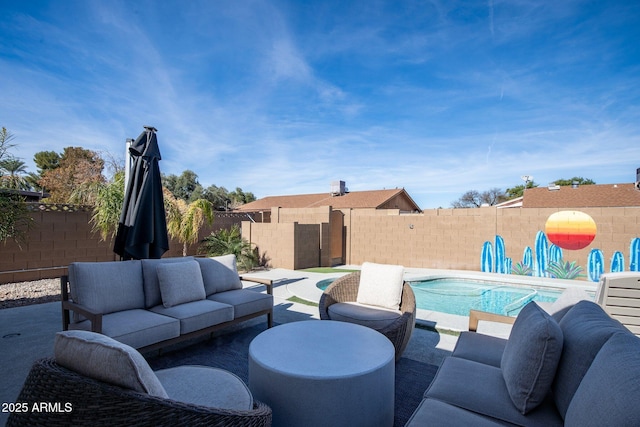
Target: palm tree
184,221
11,170
230,241
108,199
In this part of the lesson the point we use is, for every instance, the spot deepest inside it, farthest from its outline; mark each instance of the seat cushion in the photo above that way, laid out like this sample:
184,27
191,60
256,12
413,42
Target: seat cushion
206,386
433,412
105,359
365,315
380,285
219,274
480,388
585,328
531,356
197,315
180,282
480,348
137,328
244,301
107,287
608,393
152,296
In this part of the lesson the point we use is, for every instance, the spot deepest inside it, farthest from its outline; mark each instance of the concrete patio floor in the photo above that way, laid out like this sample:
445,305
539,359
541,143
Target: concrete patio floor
27,333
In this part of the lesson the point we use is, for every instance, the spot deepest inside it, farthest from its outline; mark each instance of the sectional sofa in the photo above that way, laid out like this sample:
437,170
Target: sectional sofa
578,367
152,303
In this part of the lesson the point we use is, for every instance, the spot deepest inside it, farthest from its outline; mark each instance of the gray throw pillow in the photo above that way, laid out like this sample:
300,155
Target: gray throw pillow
219,274
180,282
531,357
104,359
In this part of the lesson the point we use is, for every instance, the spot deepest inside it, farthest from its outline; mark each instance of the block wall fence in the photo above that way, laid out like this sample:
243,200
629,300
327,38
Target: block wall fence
64,235
438,238
301,238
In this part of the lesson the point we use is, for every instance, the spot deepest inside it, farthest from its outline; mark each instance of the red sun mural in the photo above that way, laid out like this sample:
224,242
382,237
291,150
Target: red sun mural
570,230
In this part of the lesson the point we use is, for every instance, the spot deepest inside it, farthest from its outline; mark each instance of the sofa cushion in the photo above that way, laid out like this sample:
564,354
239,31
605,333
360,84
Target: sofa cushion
480,348
585,328
481,389
206,386
531,356
244,301
432,412
608,393
105,359
219,274
197,315
152,296
137,328
107,287
380,285
180,282
365,315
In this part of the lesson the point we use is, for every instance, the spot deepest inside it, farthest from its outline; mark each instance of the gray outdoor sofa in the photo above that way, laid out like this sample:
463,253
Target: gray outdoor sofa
152,303
578,367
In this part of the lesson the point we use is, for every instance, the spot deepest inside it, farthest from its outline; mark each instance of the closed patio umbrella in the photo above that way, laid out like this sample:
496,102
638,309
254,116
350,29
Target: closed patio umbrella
142,230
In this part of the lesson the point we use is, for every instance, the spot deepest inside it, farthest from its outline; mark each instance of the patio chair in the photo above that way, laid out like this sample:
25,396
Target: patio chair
340,301
619,295
95,380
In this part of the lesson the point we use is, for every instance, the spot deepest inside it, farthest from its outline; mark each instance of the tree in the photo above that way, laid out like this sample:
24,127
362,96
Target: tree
218,196
11,170
518,190
15,221
577,179
46,161
183,186
475,199
184,221
223,242
109,200
239,197
5,142
78,166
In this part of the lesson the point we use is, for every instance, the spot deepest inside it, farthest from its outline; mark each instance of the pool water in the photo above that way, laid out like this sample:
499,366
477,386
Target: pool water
458,296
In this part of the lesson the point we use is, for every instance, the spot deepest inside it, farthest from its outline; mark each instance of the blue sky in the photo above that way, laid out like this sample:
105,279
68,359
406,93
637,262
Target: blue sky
283,97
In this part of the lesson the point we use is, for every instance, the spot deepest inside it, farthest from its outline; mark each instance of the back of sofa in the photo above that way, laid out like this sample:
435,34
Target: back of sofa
586,327
107,287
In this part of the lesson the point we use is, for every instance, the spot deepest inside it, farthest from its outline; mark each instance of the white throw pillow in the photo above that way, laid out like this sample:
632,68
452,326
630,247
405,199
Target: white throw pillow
381,285
180,282
105,359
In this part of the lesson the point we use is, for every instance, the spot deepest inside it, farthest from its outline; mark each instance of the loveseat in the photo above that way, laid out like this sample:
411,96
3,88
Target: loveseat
577,367
152,303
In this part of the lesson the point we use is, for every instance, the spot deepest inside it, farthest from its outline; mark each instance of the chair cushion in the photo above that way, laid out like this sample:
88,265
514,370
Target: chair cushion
608,393
107,287
219,274
197,315
206,386
105,359
152,296
365,315
244,301
180,282
380,285
480,348
531,357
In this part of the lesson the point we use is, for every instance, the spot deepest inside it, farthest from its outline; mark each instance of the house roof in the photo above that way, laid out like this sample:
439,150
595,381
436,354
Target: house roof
355,200
583,196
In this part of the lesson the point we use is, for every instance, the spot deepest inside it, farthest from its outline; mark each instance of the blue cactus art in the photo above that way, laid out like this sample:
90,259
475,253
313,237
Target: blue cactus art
634,255
486,258
595,265
499,255
617,262
542,250
555,253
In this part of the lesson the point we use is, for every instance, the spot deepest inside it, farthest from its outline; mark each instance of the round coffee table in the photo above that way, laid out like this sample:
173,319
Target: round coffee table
324,373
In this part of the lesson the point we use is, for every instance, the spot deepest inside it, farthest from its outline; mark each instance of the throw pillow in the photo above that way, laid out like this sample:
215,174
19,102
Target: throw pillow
531,357
381,285
105,359
219,274
180,282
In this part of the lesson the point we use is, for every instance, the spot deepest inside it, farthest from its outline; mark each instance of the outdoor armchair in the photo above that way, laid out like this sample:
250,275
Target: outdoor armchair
398,330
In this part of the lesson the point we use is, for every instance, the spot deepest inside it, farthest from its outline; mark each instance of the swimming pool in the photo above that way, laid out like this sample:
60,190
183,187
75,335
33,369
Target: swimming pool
458,296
